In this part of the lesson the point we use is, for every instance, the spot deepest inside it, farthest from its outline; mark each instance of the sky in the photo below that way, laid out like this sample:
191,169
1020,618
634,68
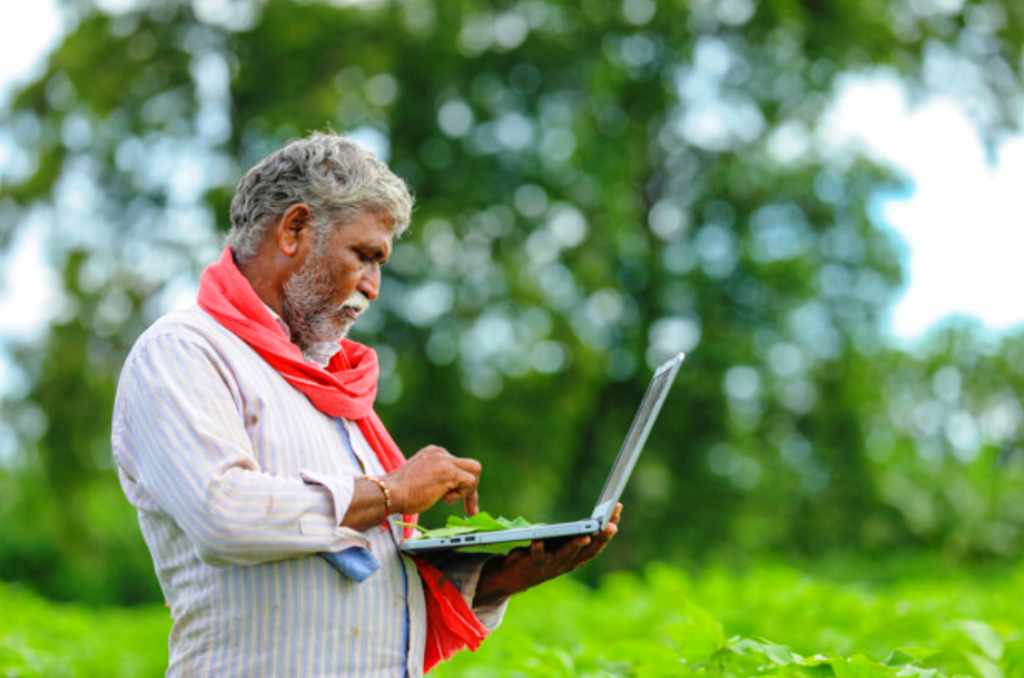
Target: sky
962,223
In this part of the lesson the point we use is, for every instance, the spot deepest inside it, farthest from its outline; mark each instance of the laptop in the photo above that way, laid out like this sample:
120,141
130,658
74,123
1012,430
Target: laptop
650,406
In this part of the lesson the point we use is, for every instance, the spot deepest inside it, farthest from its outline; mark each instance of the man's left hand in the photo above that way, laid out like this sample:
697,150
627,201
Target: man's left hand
524,568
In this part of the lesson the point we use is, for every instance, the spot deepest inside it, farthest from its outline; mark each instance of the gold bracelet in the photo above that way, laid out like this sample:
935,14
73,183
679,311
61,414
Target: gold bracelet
385,490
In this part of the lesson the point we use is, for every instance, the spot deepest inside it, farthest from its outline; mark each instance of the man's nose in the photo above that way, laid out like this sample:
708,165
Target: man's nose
369,283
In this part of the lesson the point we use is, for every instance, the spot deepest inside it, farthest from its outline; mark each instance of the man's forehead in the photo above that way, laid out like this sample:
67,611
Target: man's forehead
378,215
371,227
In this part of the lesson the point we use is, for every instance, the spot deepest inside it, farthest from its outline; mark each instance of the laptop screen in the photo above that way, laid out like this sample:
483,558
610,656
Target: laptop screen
634,443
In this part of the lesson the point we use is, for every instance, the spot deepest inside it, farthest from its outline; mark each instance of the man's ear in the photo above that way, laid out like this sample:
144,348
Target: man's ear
294,232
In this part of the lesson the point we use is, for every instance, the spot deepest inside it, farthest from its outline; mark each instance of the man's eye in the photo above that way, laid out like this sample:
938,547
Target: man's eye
371,256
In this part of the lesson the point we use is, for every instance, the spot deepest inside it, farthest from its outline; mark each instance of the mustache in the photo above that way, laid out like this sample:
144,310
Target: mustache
357,302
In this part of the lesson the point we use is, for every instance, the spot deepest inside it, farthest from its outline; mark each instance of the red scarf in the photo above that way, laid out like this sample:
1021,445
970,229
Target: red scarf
346,388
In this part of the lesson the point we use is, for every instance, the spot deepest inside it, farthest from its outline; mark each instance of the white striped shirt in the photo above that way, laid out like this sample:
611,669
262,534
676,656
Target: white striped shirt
239,482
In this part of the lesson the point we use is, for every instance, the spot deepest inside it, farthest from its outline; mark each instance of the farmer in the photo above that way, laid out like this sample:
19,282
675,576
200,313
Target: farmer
268,490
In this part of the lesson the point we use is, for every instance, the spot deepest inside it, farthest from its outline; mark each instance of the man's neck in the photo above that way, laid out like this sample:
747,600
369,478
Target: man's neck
265,286
320,354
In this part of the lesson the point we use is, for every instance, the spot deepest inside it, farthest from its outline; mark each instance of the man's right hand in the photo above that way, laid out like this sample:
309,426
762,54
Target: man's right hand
430,475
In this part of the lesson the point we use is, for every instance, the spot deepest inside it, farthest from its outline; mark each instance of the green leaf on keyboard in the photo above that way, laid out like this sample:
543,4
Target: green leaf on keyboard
481,522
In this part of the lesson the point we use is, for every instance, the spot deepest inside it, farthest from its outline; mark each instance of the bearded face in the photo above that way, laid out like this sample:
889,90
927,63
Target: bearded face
318,322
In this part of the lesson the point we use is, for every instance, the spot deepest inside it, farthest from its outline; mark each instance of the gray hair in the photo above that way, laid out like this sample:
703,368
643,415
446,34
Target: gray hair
330,173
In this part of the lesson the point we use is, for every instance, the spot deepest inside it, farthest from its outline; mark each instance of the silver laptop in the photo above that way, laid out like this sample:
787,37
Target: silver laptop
613,487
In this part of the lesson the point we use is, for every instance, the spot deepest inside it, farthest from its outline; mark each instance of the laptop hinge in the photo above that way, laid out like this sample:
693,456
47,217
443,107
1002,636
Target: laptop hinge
603,513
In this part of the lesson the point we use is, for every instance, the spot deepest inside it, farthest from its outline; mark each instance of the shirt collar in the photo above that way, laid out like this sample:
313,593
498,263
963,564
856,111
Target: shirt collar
281,323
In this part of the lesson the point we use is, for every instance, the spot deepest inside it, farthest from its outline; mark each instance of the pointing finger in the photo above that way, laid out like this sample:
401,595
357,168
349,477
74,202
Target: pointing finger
471,466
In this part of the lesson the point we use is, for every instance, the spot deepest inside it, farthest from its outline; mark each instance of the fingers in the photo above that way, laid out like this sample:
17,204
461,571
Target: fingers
582,550
463,485
539,557
467,477
571,551
465,472
434,474
471,466
602,538
532,565
545,565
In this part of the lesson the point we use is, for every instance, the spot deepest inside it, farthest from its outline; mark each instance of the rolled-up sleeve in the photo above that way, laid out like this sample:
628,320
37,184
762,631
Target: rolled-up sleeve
179,438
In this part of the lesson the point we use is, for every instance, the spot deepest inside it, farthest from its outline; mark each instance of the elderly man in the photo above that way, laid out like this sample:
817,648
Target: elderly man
268,490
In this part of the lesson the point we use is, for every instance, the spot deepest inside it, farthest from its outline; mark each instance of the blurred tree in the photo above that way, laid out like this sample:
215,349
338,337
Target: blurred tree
599,186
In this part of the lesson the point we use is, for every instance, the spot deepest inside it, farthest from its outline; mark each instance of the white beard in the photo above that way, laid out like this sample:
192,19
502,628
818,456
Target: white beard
317,326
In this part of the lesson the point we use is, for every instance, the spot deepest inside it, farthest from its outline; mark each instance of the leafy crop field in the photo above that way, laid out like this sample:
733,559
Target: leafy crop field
909,620
39,638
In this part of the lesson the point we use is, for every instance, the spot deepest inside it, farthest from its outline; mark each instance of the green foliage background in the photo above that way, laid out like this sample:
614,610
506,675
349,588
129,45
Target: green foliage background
599,186
660,623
